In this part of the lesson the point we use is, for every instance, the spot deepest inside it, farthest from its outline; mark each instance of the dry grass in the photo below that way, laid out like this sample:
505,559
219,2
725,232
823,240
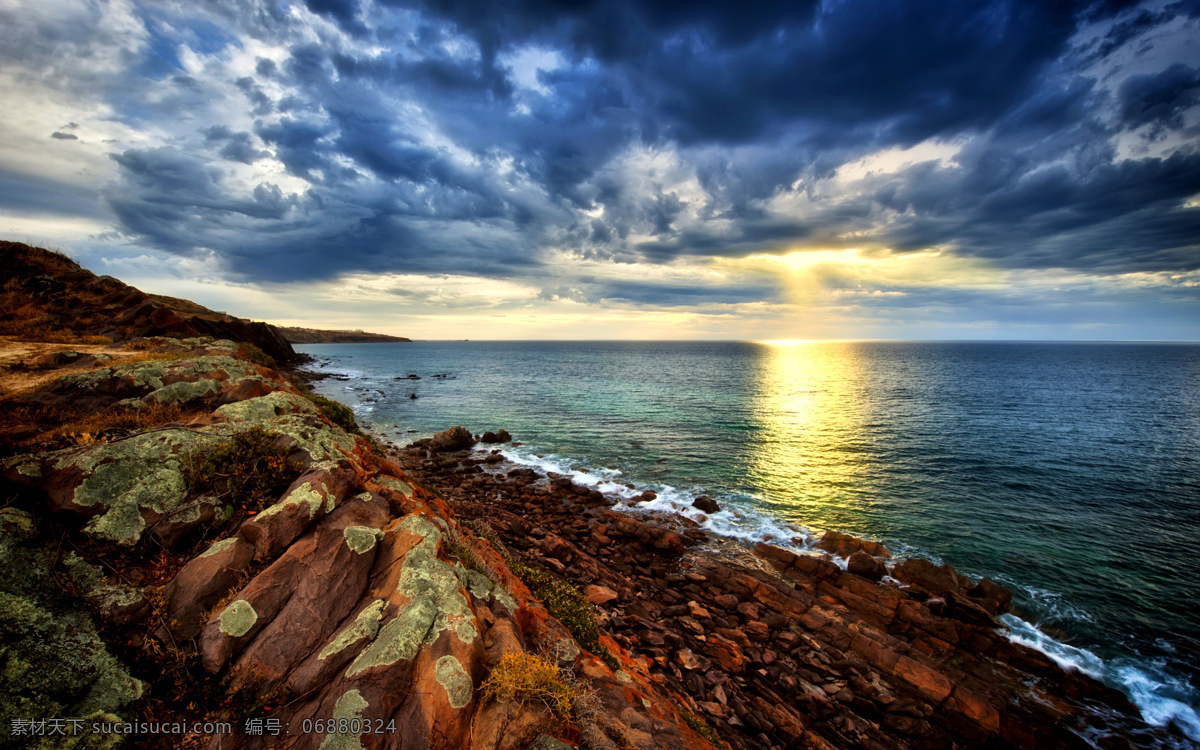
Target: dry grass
524,678
55,427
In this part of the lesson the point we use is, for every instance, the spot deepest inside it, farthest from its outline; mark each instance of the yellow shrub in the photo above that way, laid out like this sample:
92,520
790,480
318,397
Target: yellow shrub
526,678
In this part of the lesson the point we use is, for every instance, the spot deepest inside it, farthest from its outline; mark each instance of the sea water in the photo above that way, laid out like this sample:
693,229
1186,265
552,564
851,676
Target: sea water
1068,471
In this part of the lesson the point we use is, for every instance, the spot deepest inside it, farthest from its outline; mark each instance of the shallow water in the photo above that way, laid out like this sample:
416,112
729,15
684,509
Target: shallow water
1070,472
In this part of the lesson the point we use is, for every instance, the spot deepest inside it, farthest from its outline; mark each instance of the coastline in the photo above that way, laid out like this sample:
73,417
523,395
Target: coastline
911,628
587,442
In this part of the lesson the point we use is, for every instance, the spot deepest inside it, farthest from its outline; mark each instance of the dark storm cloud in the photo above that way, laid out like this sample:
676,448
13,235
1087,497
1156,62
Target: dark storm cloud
1159,100
420,150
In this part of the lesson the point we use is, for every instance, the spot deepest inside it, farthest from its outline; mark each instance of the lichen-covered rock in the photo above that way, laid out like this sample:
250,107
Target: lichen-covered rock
54,663
296,418
125,486
298,602
202,582
310,497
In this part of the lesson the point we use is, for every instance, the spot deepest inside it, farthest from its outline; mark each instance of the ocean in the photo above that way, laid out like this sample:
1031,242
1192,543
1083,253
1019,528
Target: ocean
1069,472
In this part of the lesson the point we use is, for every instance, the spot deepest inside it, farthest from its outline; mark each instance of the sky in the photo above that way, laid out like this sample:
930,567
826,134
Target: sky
845,169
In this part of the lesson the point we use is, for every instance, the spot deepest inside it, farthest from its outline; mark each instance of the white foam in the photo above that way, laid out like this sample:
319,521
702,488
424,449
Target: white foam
1151,693
732,521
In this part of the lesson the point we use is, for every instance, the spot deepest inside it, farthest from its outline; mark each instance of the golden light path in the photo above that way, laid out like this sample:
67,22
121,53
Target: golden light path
811,456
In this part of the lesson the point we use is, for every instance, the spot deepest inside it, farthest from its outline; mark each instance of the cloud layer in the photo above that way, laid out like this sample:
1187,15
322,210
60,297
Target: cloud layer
613,153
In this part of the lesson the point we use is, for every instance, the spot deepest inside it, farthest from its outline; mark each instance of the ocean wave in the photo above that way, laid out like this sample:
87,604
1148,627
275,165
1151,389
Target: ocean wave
1159,696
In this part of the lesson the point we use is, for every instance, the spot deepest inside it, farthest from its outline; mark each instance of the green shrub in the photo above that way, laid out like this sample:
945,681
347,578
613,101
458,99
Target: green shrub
701,727
340,414
252,353
566,604
247,471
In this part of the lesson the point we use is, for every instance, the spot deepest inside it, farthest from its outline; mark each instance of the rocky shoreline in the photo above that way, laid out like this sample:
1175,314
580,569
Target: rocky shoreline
842,648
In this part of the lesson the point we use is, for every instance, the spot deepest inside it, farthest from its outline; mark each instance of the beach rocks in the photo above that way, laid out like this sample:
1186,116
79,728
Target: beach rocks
499,436
792,650
706,504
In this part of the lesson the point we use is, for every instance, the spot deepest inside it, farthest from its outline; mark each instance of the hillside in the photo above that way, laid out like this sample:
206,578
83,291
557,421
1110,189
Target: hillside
45,296
316,336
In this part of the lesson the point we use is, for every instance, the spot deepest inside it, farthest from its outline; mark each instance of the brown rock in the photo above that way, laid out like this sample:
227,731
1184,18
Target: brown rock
311,496
862,564
991,596
202,582
599,595
938,580
697,611
925,681
690,661
844,545
456,438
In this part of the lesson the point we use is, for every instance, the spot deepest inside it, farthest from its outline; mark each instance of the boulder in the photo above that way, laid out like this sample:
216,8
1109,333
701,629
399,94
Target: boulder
991,596
844,545
499,436
862,564
599,595
706,504
456,438
937,580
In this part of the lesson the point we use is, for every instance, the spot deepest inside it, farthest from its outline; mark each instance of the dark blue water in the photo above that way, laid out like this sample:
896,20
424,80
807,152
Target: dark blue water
1070,472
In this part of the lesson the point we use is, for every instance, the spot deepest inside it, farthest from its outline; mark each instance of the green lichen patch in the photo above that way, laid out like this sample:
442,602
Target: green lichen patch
361,538
349,707
219,546
55,665
424,574
266,408
93,585
401,638
184,391
450,675
396,485
366,625
238,618
305,494
127,477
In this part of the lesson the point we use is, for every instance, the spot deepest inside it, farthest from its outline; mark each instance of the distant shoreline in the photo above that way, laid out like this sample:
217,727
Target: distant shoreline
317,336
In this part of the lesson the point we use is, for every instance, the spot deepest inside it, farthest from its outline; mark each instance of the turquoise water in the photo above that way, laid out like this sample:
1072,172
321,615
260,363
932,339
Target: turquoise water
1070,472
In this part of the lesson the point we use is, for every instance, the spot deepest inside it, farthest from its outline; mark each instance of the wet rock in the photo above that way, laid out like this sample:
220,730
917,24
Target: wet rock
991,596
454,439
937,580
844,545
706,504
499,436
862,564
